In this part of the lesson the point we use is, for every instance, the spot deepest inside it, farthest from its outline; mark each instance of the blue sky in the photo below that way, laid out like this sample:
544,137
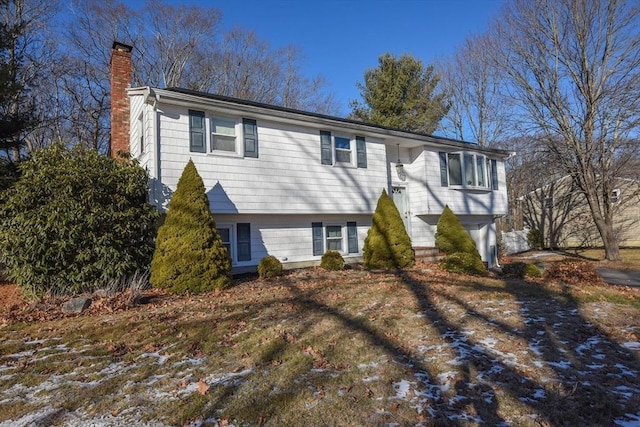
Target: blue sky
340,39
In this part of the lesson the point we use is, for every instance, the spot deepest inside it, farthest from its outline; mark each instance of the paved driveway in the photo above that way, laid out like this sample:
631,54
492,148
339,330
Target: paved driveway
620,277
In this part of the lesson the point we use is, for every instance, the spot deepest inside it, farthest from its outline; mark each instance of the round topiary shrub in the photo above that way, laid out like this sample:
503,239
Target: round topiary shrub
387,244
74,221
532,270
461,262
269,266
514,269
190,255
332,260
454,240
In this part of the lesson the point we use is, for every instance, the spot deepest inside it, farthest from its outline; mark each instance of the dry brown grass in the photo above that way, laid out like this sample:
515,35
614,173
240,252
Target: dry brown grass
417,347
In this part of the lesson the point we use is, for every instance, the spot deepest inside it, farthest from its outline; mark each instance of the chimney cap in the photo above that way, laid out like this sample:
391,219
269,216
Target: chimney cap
121,47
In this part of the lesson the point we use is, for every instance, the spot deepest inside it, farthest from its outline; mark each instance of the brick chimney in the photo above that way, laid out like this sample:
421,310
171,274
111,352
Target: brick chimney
120,81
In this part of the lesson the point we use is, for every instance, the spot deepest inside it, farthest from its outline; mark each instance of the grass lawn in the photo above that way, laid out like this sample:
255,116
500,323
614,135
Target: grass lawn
630,258
418,347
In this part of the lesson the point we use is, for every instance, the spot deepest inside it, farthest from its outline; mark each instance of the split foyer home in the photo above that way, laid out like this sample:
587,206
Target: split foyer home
295,184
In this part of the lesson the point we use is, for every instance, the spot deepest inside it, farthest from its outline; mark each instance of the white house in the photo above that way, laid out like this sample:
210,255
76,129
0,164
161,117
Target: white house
294,184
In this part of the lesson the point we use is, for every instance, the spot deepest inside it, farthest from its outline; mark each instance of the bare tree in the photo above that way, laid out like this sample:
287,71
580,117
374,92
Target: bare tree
573,66
478,110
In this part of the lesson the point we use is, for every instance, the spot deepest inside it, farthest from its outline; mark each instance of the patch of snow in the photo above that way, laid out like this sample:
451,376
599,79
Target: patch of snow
539,394
564,364
402,388
588,345
31,419
625,370
631,345
371,379
595,366
629,420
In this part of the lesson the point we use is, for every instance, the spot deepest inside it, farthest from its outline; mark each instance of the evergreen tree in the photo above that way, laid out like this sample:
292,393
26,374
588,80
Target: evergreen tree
190,255
75,220
401,93
452,238
387,244
16,109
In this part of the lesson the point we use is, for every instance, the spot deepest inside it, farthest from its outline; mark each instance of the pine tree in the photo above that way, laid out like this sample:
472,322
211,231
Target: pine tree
190,255
387,244
401,93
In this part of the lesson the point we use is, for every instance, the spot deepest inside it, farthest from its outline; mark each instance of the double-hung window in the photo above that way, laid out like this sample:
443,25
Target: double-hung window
343,149
342,238
468,170
223,135
336,149
237,239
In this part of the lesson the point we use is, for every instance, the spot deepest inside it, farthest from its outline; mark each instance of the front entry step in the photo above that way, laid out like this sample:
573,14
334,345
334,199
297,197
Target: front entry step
427,254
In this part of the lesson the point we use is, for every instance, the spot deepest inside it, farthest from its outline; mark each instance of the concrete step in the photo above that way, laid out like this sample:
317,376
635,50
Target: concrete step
427,254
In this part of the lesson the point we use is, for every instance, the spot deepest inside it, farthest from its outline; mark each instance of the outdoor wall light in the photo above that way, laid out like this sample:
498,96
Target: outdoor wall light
400,166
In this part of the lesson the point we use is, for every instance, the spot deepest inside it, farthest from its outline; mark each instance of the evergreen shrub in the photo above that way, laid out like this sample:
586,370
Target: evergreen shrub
190,255
387,244
535,239
521,270
269,266
454,241
75,221
332,260
462,262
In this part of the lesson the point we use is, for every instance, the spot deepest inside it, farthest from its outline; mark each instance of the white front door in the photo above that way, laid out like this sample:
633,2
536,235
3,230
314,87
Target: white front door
399,195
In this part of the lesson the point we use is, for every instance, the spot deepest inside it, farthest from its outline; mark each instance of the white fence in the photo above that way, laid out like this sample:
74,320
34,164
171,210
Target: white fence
515,241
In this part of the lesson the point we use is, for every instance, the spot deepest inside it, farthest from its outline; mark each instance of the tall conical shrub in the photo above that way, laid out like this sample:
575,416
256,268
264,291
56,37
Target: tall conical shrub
387,244
452,238
190,255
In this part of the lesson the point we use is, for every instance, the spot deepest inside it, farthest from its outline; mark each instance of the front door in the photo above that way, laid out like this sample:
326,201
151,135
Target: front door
399,195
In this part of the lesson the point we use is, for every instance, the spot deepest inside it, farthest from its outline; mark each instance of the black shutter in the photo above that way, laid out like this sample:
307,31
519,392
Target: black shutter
352,237
318,244
494,174
250,135
243,232
361,151
444,174
196,131
325,148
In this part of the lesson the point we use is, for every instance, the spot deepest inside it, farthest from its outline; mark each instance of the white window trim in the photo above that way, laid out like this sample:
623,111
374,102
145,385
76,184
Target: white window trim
352,163
463,159
232,240
237,128
616,196
343,231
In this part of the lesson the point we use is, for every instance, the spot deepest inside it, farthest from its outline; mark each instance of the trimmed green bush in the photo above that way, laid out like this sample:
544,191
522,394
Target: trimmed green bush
462,262
190,255
532,270
74,221
535,239
387,244
332,260
521,270
269,266
454,240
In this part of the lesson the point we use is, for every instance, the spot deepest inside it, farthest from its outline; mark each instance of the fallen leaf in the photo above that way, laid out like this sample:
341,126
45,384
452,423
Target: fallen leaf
203,387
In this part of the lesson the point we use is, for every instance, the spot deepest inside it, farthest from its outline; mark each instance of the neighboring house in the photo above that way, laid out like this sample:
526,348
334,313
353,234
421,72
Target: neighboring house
560,211
294,184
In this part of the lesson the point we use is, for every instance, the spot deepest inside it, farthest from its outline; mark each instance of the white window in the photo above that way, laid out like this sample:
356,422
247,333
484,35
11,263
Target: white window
467,170
223,135
343,149
226,233
334,238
